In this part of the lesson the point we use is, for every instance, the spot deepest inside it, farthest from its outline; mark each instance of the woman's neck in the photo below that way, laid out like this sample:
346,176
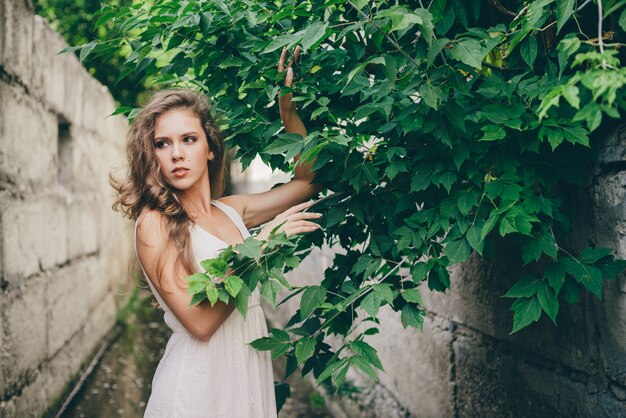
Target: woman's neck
197,200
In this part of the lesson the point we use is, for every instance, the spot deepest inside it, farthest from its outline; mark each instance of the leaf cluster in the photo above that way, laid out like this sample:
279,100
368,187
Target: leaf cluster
445,128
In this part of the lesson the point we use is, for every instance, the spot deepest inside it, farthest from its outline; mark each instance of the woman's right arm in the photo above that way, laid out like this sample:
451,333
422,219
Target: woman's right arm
167,276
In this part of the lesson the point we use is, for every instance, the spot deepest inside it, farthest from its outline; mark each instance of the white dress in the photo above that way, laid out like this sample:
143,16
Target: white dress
222,377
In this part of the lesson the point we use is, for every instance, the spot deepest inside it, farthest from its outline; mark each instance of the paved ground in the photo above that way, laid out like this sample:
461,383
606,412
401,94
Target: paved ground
120,384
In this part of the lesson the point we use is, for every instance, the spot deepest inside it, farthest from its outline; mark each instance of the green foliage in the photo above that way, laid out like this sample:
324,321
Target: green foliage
78,23
442,129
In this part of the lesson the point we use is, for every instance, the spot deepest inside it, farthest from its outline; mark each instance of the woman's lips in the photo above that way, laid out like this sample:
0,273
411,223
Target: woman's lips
180,172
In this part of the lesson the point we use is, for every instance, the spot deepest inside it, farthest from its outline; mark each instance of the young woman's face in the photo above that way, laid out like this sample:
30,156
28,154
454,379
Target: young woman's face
181,147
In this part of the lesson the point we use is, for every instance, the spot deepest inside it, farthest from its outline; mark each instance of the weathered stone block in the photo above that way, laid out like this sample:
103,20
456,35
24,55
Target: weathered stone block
57,79
608,229
83,215
24,319
93,114
28,135
33,234
614,147
497,379
475,300
68,307
16,38
417,361
77,351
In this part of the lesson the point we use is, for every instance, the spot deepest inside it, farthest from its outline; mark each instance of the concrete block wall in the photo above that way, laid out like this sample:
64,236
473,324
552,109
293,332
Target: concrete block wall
64,254
465,364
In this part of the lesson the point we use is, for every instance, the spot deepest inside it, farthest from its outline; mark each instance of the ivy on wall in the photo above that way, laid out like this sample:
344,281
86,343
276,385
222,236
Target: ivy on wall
440,125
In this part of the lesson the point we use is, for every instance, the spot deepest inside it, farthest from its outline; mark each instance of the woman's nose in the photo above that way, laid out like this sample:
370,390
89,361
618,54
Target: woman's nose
177,153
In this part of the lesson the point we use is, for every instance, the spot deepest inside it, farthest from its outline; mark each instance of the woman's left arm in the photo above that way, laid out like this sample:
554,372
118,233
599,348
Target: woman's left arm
259,208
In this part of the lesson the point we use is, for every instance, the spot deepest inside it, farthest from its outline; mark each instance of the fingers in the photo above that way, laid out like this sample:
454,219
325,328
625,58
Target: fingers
303,229
281,61
297,208
298,227
303,215
283,55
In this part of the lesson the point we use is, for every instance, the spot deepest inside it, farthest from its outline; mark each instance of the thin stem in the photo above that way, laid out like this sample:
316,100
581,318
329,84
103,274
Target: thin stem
583,5
600,41
394,43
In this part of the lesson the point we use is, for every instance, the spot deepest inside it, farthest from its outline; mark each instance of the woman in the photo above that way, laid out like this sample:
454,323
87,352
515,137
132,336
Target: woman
174,192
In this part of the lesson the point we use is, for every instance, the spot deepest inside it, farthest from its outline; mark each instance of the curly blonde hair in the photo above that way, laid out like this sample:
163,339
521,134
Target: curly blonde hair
145,187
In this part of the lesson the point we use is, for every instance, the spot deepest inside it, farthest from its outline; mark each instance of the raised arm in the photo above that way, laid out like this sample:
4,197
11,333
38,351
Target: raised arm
258,208
202,320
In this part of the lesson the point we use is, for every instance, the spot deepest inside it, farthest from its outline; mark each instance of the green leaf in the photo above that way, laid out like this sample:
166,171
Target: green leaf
383,291
435,49
564,10
591,255
468,51
566,48
305,347
363,364
555,273
197,282
411,316
489,224
365,350
548,301
467,201
457,251
526,286
507,225
526,311
447,179
288,144
611,268
570,93
419,271
216,267
528,50
250,248
197,298
269,290
622,20
233,285
371,303
426,25
412,295
86,49
242,299
591,278
313,34
591,113
212,293
312,298
331,369
572,291
474,239
268,343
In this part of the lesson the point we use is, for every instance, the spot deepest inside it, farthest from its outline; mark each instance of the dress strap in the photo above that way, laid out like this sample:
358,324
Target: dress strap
234,216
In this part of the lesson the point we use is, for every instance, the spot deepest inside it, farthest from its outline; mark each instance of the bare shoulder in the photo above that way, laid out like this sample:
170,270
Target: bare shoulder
151,230
237,202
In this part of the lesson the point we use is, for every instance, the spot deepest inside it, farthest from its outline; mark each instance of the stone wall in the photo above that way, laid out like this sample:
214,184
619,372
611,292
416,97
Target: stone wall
63,252
465,364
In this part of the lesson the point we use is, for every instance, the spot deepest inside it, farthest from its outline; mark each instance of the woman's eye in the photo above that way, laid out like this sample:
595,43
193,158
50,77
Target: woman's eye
190,139
160,144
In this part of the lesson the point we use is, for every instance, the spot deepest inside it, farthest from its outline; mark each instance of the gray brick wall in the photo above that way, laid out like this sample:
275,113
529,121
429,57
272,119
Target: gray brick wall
64,254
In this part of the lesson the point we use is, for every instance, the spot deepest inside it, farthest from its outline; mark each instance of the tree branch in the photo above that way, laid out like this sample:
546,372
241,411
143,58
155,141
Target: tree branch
501,8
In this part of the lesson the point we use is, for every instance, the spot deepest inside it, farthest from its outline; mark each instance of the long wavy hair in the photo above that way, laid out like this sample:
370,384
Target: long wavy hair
145,187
